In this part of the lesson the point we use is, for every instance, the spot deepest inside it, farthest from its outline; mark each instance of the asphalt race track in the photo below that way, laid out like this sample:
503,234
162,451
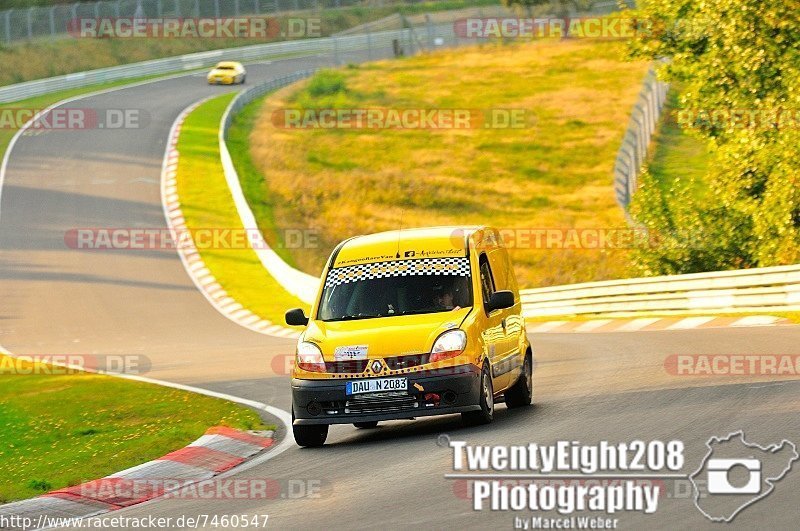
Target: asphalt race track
589,387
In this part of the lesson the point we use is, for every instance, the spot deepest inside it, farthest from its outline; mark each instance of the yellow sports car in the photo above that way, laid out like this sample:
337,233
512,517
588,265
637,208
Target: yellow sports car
227,73
407,324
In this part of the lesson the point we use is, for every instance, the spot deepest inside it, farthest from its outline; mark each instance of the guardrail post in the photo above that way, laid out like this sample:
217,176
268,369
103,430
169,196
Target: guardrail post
296,5
429,28
197,8
159,8
336,51
74,10
52,16
236,8
216,8
30,22
176,7
97,10
8,25
117,8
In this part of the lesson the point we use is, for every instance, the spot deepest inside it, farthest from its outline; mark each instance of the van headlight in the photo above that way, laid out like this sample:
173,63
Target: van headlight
448,345
309,357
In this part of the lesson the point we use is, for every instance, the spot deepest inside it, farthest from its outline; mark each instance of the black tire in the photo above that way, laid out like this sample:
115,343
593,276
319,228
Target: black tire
486,414
366,425
521,393
244,77
310,435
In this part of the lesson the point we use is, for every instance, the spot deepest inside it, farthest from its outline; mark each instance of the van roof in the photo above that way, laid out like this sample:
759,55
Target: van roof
405,244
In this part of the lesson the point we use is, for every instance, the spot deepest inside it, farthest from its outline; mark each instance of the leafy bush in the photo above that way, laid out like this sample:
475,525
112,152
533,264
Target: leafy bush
731,56
327,83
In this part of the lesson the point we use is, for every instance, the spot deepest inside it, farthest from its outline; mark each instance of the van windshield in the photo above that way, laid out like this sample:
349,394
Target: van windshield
402,287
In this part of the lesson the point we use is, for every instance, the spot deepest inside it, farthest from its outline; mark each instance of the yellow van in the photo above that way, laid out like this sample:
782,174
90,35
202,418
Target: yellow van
411,323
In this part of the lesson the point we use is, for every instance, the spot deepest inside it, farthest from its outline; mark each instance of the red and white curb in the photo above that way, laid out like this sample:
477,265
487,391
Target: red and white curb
201,276
185,470
647,324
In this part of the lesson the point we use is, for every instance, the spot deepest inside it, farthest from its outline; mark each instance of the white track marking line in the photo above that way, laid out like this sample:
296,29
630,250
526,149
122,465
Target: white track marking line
756,320
547,327
637,324
690,322
588,326
295,282
201,277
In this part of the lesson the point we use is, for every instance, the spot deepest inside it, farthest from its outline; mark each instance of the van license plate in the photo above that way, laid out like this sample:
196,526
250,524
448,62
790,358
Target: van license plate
356,387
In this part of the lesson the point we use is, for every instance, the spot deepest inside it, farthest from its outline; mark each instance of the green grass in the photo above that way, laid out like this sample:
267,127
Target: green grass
206,202
678,157
61,430
556,173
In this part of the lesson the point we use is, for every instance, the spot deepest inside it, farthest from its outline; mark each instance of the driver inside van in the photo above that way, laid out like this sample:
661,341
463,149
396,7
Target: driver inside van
443,298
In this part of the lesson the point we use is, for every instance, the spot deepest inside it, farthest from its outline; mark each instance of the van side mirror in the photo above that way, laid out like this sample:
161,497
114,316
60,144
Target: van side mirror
500,300
296,317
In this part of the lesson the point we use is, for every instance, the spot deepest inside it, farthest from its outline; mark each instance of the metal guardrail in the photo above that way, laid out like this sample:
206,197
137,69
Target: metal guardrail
336,47
769,288
24,24
633,152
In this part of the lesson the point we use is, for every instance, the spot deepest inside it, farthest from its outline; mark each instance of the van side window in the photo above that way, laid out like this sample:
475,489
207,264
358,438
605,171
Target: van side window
487,280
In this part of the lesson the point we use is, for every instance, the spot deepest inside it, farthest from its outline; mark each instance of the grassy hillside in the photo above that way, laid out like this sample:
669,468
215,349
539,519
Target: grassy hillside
554,174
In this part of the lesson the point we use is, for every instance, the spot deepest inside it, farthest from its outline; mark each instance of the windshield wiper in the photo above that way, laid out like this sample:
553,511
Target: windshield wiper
355,317
418,312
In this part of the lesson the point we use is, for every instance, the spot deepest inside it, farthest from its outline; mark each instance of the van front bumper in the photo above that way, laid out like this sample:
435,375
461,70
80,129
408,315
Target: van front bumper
327,402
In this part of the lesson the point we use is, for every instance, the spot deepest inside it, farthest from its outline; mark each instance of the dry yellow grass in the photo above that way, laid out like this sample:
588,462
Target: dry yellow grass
555,174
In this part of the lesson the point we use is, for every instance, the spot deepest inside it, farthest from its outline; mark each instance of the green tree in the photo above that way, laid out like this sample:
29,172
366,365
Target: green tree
738,62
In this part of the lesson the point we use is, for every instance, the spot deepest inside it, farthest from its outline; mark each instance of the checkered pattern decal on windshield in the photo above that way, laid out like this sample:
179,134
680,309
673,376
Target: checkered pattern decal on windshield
456,266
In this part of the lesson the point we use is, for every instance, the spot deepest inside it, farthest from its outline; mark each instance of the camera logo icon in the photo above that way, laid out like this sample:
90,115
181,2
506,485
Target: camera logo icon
736,473
719,472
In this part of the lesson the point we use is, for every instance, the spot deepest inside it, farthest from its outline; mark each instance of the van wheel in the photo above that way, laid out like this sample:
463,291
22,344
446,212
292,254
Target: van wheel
366,425
311,435
486,414
521,393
